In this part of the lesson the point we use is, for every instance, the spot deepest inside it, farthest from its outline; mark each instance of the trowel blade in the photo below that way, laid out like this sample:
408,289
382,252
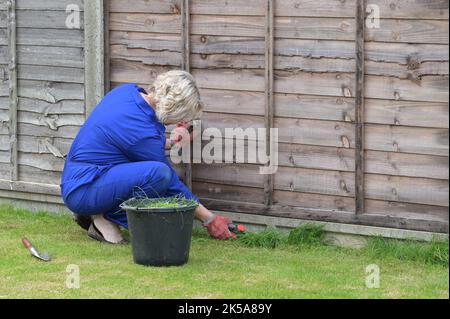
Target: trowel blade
34,252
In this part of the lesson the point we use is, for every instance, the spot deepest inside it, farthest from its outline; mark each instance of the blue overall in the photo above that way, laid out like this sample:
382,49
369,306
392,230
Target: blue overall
118,153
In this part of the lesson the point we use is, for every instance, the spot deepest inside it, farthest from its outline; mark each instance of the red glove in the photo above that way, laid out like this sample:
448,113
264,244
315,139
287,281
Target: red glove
218,228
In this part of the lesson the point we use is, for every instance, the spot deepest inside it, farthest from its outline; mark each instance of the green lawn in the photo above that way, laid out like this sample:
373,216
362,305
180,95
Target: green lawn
215,269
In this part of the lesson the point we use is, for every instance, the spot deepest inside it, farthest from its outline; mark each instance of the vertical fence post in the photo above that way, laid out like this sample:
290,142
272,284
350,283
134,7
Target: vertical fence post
107,59
186,66
185,36
13,98
269,100
359,108
94,76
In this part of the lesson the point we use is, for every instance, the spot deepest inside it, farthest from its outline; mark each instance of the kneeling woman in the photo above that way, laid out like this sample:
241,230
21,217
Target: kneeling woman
121,149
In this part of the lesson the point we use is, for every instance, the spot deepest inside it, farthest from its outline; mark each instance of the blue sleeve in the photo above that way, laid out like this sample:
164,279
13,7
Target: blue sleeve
153,149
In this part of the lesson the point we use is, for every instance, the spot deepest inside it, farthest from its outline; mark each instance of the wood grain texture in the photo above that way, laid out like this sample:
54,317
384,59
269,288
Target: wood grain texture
3,18
153,42
51,56
410,31
53,122
373,207
4,103
51,73
405,53
314,132
314,201
4,165
391,30
142,6
208,44
33,198
51,92
3,37
252,26
4,91
426,9
234,102
52,5
386,163
50,37
407,211
44,19
58,147
4,52
4,116
36,188
406,189
428,89
228,193
330,216
145,22
4,172
125,72
57,5
407,139
281,62
69,132
404,139
221,192
43,162
229,174
422,114
379,187
39,177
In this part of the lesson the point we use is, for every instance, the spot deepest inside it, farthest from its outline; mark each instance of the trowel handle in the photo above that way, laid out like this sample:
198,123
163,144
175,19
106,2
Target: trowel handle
236,228
26,243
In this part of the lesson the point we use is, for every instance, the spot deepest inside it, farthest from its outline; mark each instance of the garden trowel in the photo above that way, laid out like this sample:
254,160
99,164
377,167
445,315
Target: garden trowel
34,252
237,229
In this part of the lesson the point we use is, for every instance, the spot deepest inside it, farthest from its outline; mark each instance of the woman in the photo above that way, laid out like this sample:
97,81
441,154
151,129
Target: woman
120,150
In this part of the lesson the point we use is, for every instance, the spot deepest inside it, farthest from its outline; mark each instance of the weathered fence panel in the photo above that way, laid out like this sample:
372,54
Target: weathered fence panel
50,87
315,95
7,29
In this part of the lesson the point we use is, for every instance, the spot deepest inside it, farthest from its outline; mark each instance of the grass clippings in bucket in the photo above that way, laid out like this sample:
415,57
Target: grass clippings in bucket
144,203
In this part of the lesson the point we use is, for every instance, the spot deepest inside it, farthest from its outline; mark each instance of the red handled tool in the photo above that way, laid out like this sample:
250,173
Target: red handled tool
237,229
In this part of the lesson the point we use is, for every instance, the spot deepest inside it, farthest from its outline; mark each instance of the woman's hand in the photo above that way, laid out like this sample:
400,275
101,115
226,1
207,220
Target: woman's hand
218,228
182,134
216,225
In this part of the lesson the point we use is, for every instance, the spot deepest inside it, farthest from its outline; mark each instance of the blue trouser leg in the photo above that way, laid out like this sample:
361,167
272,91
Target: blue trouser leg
118,184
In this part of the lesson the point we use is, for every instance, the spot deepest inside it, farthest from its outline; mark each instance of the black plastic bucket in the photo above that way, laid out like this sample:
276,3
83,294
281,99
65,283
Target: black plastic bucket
160,236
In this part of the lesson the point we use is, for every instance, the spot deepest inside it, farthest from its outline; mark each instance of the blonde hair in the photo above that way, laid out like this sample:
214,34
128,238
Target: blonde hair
176,96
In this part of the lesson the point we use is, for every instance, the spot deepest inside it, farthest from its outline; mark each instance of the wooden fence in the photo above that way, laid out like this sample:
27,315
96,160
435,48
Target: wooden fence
362,112
42,96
